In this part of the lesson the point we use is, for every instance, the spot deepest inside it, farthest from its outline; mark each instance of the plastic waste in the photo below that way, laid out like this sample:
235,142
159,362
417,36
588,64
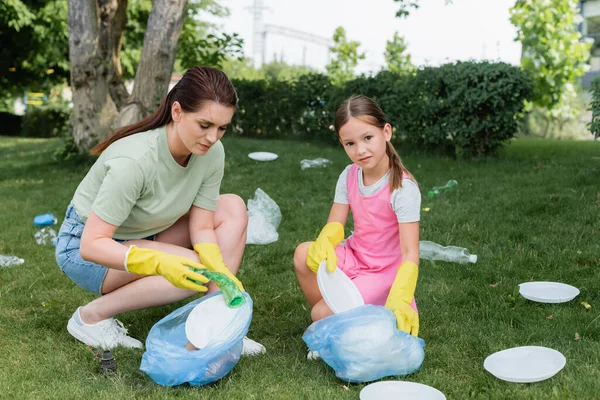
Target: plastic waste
45,220
363,344
45,236
9,261
317,162
231,293
433,251
264,217
451,184
169,363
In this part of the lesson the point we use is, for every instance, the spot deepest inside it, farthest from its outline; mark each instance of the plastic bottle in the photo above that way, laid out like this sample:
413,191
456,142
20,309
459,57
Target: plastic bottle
433,251
45,220
451,184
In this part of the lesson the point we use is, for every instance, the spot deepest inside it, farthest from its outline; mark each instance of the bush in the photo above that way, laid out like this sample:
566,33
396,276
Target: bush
466,109
594,124
46,121
10,123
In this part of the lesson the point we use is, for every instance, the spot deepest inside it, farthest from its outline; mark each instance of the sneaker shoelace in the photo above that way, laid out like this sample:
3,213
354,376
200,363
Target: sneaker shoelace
115,330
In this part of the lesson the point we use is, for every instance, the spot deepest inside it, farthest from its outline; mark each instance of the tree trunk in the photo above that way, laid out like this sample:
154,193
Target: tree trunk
95,35
92,105
158,57
113,18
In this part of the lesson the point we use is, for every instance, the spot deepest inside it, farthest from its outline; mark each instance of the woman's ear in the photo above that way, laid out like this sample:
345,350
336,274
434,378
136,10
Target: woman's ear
176,111
387,132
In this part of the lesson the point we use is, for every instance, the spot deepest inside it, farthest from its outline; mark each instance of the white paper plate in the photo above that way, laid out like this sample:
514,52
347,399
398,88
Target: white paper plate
337,289
397,390
548,292
525,364
211,321
263,156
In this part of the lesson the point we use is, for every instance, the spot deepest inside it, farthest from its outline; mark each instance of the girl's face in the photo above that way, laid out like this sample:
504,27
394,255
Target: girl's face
199,130
364,143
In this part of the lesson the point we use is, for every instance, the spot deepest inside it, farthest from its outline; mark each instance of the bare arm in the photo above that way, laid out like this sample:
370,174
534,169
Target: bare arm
202,226
97,244
409,241
339,213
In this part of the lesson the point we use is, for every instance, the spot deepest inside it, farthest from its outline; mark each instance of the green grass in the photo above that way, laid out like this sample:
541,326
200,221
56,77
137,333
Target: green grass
529,214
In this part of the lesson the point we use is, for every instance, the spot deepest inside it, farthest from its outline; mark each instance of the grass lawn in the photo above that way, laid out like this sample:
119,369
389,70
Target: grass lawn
530,214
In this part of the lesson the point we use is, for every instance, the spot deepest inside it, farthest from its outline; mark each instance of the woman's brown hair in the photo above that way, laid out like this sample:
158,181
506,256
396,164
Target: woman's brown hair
367,110
197,86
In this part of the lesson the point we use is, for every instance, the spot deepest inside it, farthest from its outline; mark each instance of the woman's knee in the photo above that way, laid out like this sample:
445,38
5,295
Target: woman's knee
300,257
232,207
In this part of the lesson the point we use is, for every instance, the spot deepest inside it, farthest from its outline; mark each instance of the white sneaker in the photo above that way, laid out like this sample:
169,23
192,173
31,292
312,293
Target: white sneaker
252,348
105,334
313,355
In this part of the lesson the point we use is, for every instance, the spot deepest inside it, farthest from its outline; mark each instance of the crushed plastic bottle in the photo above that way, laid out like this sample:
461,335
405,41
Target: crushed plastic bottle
317,162
45,236
433,251
451,184
9,261
45,220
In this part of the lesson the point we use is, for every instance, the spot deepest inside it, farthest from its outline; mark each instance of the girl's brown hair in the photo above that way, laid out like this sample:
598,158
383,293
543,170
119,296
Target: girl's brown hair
197,86
367,110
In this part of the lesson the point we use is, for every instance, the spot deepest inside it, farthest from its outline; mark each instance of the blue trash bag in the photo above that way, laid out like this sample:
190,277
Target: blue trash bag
169,363
363,344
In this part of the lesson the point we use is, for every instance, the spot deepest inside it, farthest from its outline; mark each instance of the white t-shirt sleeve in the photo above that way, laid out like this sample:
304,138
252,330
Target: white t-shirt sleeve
406,202
341,189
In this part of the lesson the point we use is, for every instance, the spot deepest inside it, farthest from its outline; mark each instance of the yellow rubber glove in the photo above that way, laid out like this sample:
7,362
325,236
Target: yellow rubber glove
175,269
211,258
324,247
401,295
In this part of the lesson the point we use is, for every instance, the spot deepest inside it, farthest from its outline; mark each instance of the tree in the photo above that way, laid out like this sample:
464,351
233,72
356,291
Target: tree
345,57
97,31
405,5
396,57
33,54
553,51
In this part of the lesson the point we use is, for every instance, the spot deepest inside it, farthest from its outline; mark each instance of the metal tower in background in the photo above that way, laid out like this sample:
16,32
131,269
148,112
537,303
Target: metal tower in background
260,31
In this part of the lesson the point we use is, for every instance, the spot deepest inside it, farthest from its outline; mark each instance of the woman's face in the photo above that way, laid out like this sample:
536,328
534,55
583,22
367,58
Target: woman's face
199,130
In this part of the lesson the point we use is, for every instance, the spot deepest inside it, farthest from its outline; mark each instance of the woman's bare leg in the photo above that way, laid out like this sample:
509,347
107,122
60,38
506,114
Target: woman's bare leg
126,292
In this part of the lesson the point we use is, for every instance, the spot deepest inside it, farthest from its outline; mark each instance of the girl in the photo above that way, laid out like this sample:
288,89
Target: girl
385,202
150,207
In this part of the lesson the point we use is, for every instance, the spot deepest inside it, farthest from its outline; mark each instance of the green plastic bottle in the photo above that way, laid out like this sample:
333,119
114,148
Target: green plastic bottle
231,293
438,189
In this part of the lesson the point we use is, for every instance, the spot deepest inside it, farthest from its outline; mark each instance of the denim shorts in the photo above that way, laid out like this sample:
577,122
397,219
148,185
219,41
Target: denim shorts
85,274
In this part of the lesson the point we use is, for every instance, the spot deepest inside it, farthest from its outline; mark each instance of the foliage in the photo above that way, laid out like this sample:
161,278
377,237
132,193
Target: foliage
345,57
552,51
10,123
243,69
405,6
34,50
47,121
200,42
396,57
465,109
594,124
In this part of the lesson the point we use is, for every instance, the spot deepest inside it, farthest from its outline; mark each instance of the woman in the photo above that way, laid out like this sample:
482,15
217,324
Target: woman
149,208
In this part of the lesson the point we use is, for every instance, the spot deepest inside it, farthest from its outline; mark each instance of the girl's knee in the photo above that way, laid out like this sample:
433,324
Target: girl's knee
320,311
300,257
